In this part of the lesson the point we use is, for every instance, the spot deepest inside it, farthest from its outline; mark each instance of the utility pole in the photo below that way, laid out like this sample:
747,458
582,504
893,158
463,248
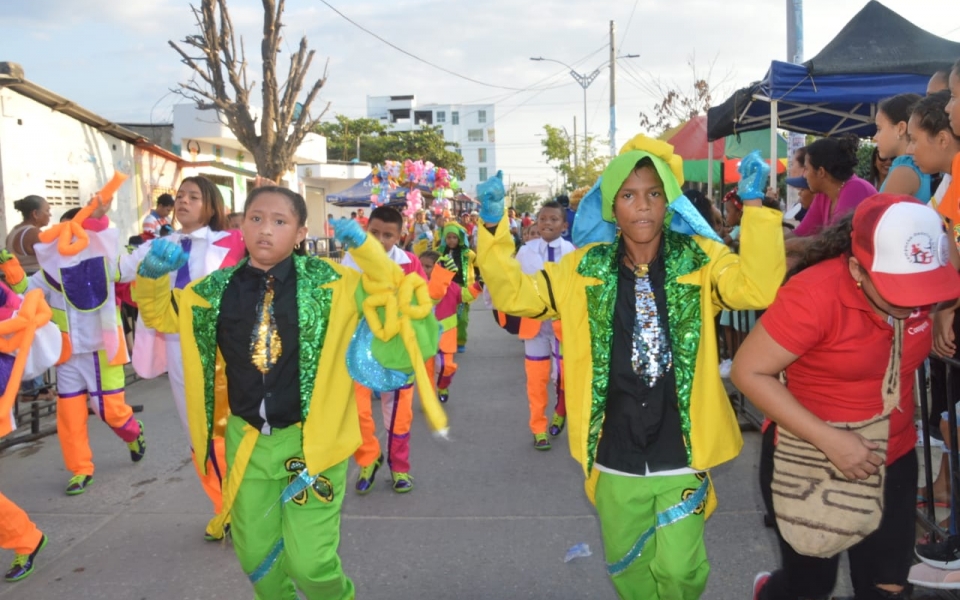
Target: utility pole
613,89
794,55
574,142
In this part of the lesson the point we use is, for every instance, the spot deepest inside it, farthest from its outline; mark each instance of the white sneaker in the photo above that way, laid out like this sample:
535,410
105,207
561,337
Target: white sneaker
926,576
725,366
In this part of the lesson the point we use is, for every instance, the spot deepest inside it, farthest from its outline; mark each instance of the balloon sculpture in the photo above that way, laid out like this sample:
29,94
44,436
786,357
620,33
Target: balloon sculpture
413,175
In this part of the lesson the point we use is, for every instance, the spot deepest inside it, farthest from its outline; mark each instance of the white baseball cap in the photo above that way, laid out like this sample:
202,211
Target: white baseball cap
903,247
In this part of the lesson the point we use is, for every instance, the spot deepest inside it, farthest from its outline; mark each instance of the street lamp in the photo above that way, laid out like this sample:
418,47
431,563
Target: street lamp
585,79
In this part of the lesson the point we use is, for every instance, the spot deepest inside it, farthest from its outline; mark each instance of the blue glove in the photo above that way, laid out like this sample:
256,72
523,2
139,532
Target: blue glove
164,257
491,195
349,233
753,176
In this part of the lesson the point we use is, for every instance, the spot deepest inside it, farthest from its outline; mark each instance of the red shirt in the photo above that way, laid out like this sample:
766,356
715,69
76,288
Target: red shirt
843,348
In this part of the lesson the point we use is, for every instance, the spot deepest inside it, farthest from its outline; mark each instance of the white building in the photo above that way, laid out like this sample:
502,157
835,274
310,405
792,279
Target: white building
51,147
210,149
469,125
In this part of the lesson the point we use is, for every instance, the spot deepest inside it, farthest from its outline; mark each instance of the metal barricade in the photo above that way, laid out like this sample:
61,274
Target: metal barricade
739,326
924,391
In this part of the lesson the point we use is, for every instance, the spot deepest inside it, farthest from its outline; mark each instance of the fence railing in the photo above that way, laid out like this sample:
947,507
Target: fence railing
938,380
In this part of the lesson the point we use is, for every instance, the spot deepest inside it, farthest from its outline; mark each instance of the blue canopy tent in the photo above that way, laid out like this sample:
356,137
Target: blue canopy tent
358,195
877,54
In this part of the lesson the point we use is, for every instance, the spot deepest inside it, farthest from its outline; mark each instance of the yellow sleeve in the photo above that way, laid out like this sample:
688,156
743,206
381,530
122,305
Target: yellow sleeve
158,304
512,291
750,280
468,295
374,262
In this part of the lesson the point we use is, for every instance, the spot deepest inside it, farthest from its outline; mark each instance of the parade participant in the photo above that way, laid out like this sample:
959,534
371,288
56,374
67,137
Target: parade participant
204,236
158,217
647,414
24,350
385,226
893,142
264,347
440,272
454,244
543,361
858,303
78,262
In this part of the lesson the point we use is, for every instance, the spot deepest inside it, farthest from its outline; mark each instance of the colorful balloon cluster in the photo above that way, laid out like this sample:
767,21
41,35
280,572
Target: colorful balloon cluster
413,175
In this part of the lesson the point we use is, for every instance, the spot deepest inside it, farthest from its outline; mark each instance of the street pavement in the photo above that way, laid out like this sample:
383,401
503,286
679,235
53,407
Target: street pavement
490,518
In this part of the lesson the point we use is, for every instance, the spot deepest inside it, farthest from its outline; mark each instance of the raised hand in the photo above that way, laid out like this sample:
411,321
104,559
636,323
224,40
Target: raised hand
491,194
349,233
446,261
164,257
753,176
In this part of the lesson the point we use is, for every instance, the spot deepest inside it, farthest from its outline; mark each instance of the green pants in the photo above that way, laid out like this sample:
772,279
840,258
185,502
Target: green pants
463,320
283,547
653,535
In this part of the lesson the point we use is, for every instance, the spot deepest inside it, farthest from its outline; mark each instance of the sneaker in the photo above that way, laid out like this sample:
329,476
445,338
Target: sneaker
209,537
402,483
924,575
942,555
758,582
78,484
557,424
461,349
138,447
23,563
367,473
725,366
540,441
443,395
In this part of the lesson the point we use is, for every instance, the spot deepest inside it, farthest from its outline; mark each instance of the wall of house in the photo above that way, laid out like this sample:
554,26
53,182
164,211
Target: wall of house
47,153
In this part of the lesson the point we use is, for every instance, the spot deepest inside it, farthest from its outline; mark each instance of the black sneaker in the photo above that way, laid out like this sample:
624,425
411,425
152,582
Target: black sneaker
942,555
23,563
138,447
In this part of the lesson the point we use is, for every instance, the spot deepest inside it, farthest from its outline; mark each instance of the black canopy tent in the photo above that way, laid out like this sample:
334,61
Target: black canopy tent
876,55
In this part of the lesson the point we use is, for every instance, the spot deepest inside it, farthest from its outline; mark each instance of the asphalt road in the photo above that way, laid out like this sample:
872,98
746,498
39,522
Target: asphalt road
490,517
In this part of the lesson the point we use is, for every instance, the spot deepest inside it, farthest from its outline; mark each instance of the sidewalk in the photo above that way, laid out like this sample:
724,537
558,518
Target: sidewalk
490,518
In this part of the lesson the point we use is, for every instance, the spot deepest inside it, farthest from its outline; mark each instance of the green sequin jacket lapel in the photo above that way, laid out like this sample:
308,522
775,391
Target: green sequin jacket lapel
314,299
682,255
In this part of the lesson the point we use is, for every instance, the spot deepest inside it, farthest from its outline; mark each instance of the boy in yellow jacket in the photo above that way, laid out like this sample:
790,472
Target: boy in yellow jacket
647,412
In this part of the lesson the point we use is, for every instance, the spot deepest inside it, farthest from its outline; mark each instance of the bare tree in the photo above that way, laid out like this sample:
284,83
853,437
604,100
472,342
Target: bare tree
220,83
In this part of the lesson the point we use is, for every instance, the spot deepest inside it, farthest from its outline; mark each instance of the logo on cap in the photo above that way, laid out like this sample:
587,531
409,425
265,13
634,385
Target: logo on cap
919,249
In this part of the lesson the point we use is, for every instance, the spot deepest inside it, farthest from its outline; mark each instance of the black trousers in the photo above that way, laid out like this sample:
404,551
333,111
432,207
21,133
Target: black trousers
883,557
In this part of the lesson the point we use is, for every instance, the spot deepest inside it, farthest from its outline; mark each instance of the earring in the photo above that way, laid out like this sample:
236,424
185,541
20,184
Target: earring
297,247
859,285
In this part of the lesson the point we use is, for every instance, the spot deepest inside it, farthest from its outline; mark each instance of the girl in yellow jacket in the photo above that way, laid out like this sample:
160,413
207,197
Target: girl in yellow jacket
264,349
647,412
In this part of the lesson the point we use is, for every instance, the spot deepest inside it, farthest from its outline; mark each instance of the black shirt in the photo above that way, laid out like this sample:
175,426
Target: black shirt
642,425
279,389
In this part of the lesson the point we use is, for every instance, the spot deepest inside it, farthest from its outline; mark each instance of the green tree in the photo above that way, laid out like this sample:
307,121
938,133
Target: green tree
558,149
378,144
523,202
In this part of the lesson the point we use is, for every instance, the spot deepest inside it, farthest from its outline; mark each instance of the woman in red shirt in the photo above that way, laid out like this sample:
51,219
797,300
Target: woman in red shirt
867,282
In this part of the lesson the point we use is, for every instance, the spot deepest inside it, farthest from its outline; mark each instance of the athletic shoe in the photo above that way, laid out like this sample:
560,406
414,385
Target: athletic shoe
209,537
367,473
758,582
942,555
402,483
138,447
23,563
540,441
78,484
930,577
461,349
443,394
557,425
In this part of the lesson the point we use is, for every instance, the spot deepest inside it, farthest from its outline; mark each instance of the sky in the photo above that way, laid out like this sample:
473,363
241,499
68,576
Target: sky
113,57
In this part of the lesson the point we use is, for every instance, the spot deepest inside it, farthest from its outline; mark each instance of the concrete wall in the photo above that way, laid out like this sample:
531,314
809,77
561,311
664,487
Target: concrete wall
50,154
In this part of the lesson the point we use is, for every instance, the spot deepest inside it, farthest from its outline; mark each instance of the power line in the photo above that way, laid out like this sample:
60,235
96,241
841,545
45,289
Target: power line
623,37
415,57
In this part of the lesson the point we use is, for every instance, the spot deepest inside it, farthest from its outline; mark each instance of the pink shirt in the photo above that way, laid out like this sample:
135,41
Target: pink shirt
818,216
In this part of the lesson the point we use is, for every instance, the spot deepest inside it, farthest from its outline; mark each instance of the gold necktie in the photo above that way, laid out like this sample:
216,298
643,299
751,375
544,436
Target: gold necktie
265,347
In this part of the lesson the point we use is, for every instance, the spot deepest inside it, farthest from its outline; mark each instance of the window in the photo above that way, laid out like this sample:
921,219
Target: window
62,192
441,116
455,117
481,155
474,135
481,116
483,173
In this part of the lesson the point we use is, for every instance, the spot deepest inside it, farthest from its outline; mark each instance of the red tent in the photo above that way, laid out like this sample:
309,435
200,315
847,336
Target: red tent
690,141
